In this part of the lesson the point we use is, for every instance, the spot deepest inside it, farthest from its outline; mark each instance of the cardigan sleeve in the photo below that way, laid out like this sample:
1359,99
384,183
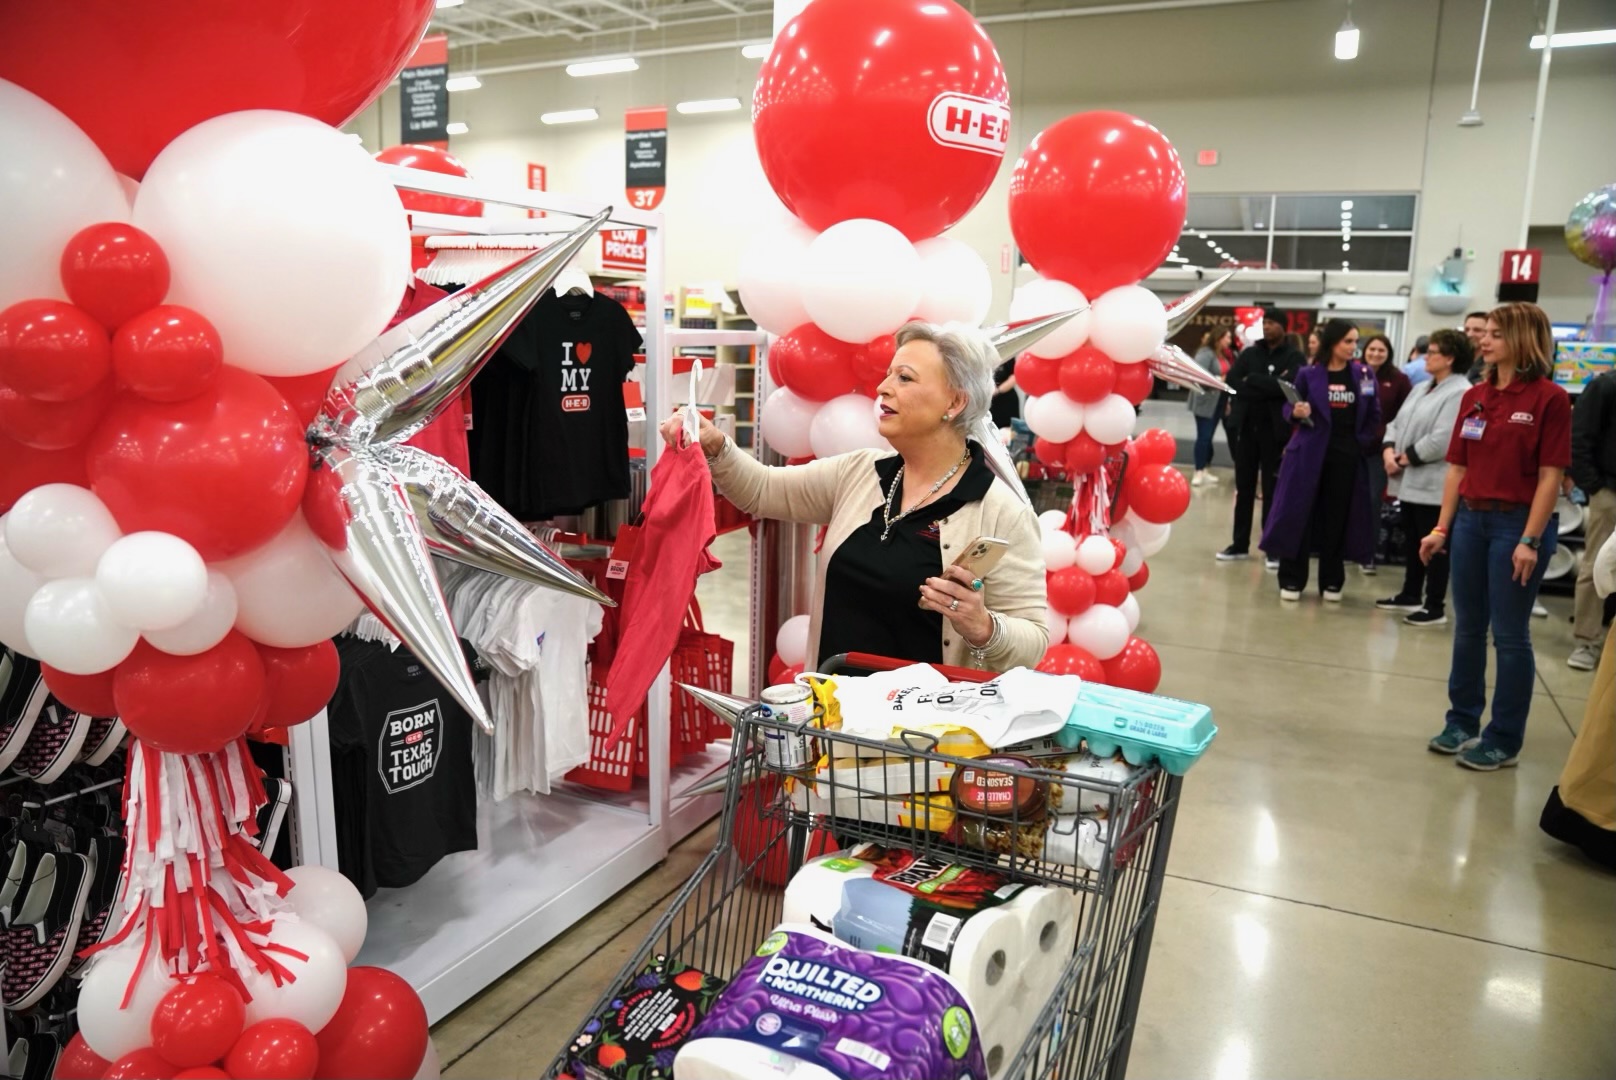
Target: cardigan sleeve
801,493
1015,589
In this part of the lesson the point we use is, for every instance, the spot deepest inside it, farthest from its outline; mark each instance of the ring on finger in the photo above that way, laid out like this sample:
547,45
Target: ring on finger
976,584
954,604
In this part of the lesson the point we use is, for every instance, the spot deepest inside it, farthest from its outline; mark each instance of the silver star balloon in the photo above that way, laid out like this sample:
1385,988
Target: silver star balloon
382,508
1174,365
1009,339
1182,310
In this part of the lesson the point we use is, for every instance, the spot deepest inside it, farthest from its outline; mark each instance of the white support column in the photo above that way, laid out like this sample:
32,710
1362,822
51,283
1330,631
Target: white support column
1537,121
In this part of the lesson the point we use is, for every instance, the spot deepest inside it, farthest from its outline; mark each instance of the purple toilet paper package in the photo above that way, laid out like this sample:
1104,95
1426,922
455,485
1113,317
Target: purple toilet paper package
858,1015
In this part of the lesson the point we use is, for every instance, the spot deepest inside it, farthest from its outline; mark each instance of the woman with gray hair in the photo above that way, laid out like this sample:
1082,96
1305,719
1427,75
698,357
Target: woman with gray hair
896,523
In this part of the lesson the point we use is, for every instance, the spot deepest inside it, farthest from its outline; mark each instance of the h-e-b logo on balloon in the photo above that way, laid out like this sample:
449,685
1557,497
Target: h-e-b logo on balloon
969,123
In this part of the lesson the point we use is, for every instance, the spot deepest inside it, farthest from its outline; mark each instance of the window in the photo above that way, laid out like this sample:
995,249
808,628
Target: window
1299,232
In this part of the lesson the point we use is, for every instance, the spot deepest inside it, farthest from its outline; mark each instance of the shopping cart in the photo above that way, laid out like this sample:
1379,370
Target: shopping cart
1084,1030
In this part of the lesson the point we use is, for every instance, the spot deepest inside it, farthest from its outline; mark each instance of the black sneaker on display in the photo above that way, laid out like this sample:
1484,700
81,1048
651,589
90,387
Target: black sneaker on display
1426,618
54,743
272,815
1400,603
1232,553
43,934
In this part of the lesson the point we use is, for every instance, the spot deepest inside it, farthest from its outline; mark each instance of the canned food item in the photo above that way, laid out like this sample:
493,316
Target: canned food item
792,704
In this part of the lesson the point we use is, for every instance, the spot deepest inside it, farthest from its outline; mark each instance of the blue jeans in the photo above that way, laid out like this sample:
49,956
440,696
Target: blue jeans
1205,426
1483,595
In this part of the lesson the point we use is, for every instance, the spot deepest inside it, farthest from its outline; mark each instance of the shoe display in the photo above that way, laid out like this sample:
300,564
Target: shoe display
1583,658
102,740
105,887
1399,603
272,815
1332,596
1291,595
20,711
54,742
1454,739
1231,553
45,929
1426,618
1484,758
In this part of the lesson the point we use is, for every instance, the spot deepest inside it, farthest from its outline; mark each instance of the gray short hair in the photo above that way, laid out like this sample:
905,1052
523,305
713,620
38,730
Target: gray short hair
968,360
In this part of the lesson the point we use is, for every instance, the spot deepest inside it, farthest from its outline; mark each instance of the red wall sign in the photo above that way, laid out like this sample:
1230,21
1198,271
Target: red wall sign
623,249
1520,267
538,179
646,161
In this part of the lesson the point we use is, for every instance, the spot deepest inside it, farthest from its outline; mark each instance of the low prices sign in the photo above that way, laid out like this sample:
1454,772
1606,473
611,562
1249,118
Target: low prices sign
623,249
646,160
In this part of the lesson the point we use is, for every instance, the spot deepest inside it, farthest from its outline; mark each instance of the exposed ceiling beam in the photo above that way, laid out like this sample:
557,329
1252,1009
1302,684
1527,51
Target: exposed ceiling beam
630,12
522,30
727,5
546,9
454,28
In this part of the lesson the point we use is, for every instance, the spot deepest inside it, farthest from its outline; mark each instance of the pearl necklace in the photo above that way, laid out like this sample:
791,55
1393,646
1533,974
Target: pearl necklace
889,521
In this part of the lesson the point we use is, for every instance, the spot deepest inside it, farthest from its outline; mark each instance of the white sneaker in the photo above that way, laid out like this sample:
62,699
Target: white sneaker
1332,596
1271,565
1199,479
1583,658
1290,595
1539,611
1211,477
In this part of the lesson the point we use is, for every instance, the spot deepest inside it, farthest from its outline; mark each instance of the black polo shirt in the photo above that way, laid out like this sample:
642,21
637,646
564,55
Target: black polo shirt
872,587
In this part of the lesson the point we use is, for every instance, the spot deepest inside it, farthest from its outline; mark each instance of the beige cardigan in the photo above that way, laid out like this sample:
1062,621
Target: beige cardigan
843,491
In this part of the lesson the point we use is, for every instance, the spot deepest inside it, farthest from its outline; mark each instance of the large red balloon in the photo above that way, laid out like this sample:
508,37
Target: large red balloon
52,351
137,75
1087,375
379,1031
190,704
25,468
1140,578
430,159
870,363
1097,200
78,1062
88,694
114,271
223,471
274,1050
197,1022
1084,454
1071,591
1136,667
299,682
1134,382
897,111
1155,446
1050,453
1038,375
814,365
1157,493
167,353
1062,658
53,425
142,1064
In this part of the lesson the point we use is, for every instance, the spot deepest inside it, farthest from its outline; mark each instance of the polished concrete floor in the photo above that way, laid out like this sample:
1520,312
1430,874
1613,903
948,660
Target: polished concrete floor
1339,902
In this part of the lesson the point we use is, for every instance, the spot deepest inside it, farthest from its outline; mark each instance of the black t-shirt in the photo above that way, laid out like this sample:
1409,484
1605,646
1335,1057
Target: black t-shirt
1343,415
405,790
872,587
1006,406
549,431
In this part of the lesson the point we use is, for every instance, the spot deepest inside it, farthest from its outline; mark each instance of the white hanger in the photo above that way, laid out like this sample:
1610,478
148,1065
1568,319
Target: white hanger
573,280
692,416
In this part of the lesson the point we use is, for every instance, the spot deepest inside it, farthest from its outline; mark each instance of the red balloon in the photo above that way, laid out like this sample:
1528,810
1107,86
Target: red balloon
1050,453
305,393
78,1062
1140,578
1120,548
1157,493
754,833
197,1022
1134,382
379,1031
138,75
1119,505
897,111
223,472
51,351
1071,591
299,682
777,671
142,1064
814,365
167,353
1084,454
190,704
114,271
1037,375
1088,375
430,159
88,694
1097,199
274,1050
26,468
53,425
206,1072
1110,588
1067,659
1153,447
1136,667
870,362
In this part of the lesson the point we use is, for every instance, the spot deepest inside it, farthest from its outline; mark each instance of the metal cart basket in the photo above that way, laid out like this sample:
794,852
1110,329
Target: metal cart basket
774,818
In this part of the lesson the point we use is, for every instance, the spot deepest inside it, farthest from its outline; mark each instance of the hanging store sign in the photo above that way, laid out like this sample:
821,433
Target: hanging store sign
423,99
623,249
646,160
538,179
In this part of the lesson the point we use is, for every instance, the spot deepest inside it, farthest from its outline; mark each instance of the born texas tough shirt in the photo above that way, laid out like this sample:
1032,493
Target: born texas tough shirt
550,434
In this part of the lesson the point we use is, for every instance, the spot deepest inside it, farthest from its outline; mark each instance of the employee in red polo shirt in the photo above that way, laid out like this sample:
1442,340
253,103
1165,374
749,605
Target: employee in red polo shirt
1510,447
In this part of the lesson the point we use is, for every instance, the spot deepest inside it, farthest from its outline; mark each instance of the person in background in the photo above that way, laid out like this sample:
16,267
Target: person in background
1225,344
1593,467
1006,402
1312,348
1414,453
1322,500
1414,367
1394,387
1207,406
1260,421
1507,456
1475,328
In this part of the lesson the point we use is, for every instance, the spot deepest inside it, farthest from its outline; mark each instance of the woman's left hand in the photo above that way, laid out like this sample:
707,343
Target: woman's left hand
1525,561
960,604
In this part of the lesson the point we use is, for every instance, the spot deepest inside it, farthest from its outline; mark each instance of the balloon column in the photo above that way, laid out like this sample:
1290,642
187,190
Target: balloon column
878,126
178,543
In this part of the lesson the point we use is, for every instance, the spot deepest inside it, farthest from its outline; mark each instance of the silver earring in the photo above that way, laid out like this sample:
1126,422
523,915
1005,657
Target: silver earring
947,416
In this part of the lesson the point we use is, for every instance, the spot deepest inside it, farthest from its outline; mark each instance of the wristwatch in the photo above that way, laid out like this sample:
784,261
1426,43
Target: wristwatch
1532,542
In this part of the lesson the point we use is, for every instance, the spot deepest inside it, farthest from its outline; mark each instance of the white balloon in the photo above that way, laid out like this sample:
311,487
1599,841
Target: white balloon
1060,551
785,421
207,627
1052,521
70,628
771,276
288,591
1057,624
152,580
955,285
861,279
792,640
111,1029
1096,554
1130,611
845,424
1132,562
312,996
1102,630
1109,420
54,183
60,530
1045,296
284,231
1129,324
325,899
1055,417
1152,536
17,586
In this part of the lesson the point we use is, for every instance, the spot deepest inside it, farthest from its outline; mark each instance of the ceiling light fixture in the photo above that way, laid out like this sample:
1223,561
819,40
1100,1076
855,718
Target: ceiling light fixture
455,127
1580,37
463,82
1346,38
758,51
1346,204
613,66
729,104
569,116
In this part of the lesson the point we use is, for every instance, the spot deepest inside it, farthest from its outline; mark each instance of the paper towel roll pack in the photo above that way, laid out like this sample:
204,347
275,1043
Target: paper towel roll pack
810,1007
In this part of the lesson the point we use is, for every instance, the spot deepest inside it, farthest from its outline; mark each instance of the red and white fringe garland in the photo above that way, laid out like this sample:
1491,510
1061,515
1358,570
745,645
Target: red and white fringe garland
194,887
1093,495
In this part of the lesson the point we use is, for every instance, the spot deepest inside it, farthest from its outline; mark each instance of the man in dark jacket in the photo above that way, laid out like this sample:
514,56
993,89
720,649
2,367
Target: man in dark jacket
1593,467
1257,415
